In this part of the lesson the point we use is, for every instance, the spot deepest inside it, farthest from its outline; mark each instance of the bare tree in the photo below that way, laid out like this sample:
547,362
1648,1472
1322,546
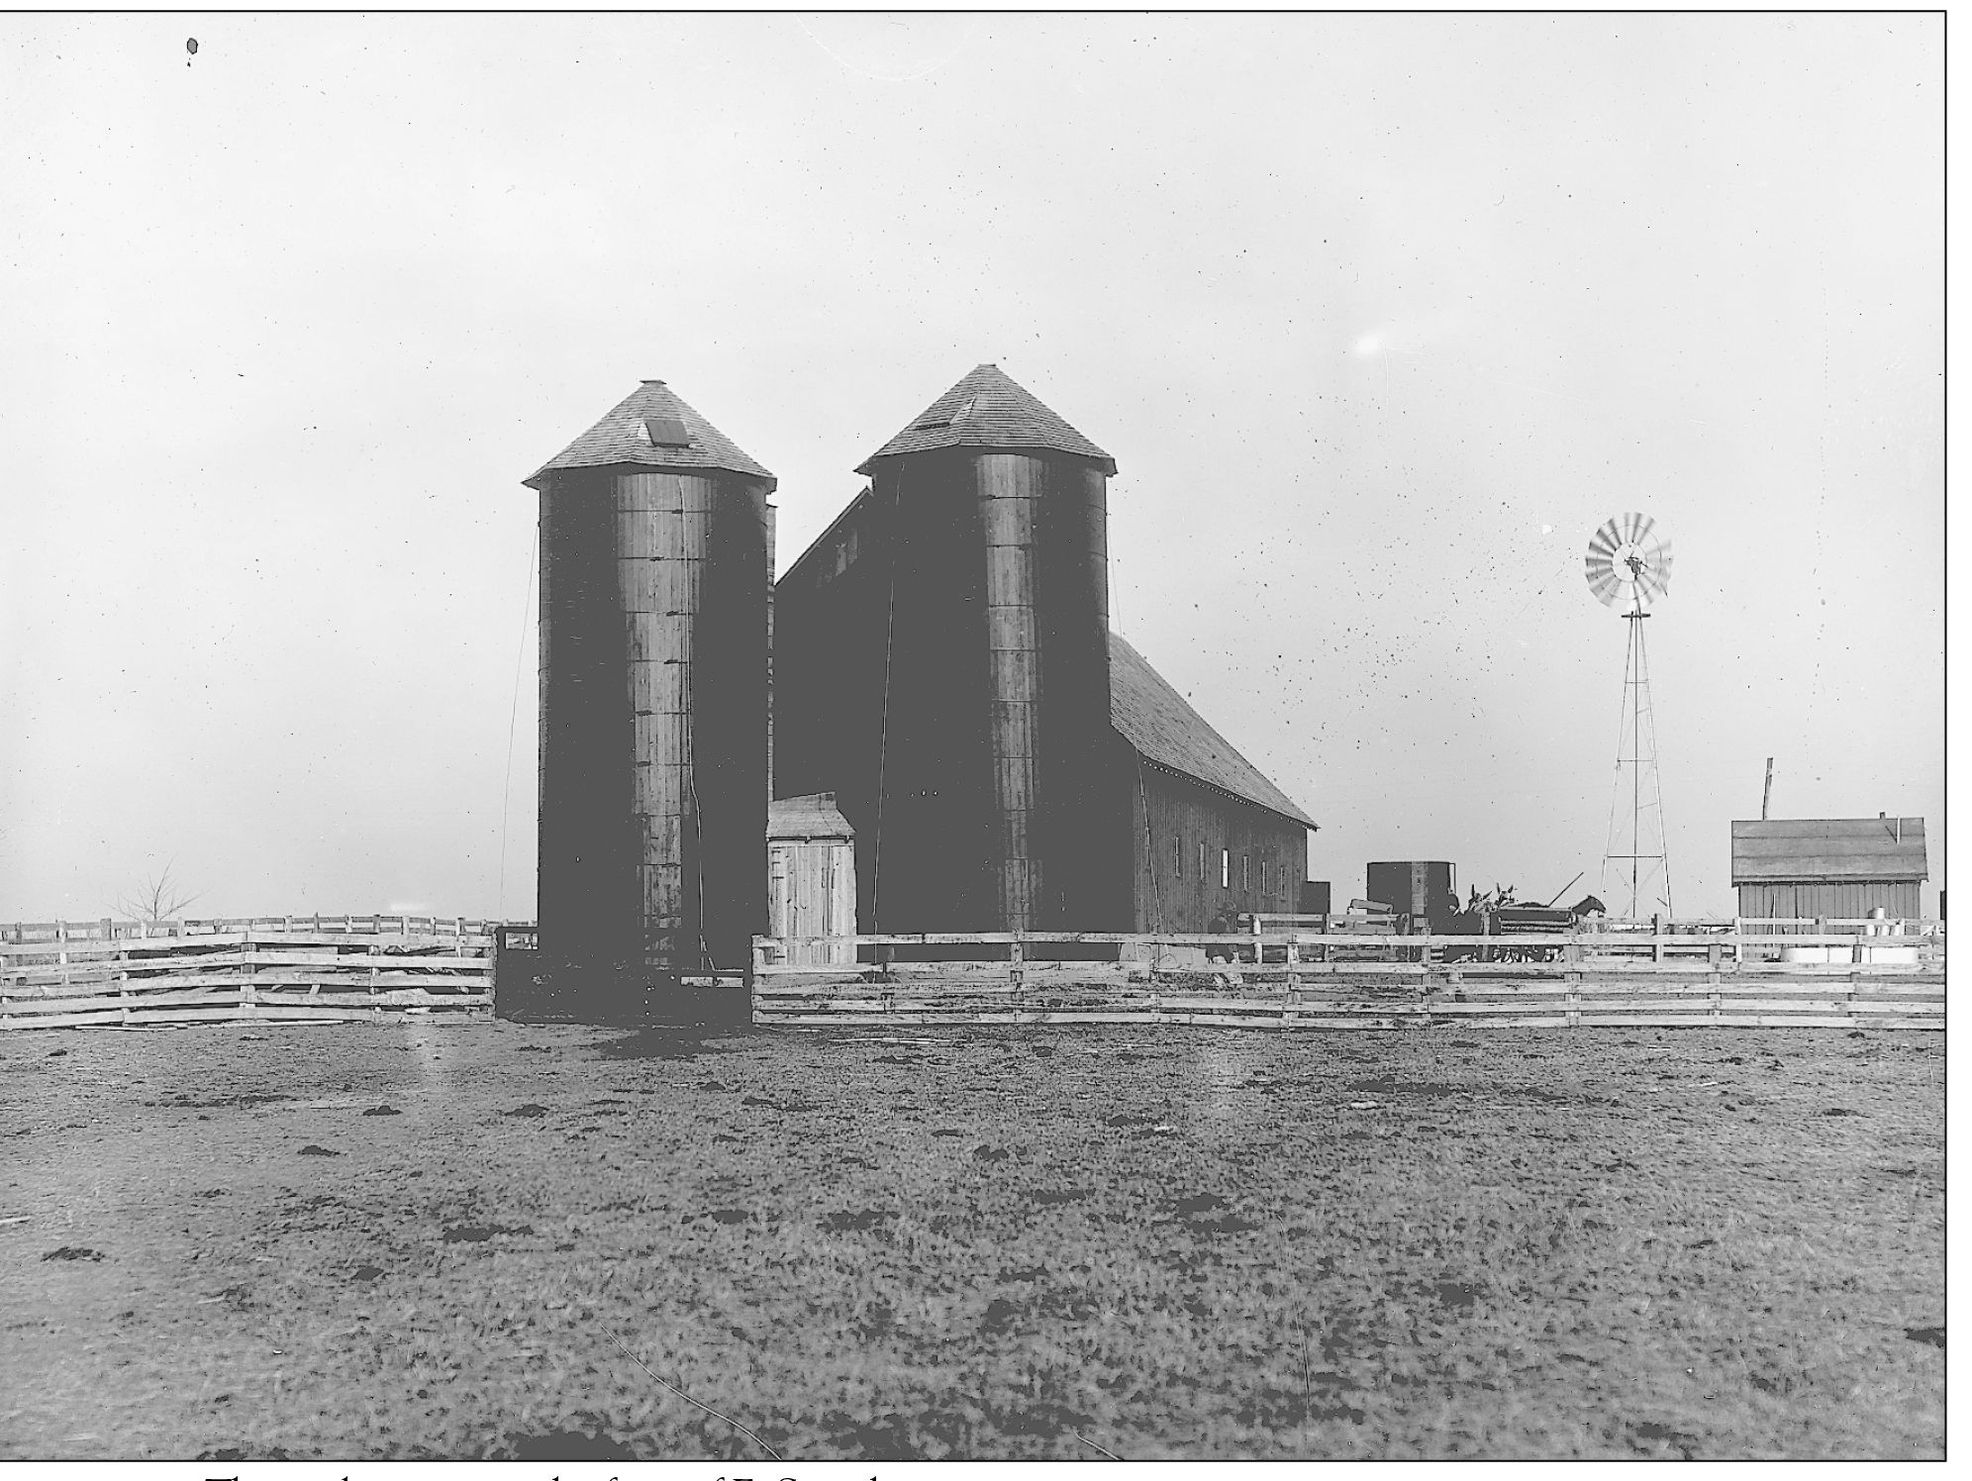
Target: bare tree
158,898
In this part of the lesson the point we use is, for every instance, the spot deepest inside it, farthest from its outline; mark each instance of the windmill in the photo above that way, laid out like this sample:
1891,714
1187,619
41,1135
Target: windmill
1629,566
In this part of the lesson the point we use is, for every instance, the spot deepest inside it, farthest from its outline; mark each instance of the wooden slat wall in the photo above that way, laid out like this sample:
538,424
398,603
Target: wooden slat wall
812,893
1899,899
1009,496
1182,810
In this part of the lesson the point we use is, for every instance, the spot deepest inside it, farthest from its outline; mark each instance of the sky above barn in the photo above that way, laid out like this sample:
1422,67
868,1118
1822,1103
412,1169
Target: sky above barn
1380,316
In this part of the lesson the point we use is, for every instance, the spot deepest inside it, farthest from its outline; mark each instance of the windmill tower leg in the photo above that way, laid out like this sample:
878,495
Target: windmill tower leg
1637,844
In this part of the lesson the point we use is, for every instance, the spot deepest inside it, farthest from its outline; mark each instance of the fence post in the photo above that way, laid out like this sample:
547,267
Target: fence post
1015,957
1571,955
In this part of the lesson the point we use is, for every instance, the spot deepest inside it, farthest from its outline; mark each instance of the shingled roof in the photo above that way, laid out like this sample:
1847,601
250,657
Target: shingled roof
1796,850
624,437
1165,729
989,409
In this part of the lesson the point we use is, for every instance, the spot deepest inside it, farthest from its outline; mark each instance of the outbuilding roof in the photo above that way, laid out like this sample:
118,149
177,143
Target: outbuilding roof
989,409
1164,728
1796,850
653,427
812,816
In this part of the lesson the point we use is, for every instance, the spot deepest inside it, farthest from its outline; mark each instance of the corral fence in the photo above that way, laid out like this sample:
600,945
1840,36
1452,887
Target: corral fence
1314,972
312,968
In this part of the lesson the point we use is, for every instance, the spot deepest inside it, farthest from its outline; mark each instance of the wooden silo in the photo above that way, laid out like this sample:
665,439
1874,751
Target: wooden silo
942,667
656,563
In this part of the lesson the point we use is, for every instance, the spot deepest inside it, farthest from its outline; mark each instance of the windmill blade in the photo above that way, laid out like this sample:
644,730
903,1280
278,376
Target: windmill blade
1657,573
1628,560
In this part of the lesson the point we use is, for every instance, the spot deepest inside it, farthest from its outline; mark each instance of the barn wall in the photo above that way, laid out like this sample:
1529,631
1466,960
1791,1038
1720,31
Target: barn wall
1840,899
1268,853
830,621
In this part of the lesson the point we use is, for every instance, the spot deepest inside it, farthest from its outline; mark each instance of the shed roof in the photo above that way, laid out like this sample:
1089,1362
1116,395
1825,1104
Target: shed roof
1164,728
813,816
621,438
989,409
1783,850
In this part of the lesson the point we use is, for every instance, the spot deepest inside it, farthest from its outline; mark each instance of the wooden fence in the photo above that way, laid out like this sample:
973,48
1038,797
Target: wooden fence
1701,974
298,968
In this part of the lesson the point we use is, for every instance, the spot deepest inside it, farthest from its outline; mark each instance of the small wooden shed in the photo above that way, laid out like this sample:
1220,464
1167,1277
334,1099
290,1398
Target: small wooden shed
1843,868
811,875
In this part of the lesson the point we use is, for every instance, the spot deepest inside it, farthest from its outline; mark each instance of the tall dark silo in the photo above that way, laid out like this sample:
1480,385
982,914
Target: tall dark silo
656,564
998,809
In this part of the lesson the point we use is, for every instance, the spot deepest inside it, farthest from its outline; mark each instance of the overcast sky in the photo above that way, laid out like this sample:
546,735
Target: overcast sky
1380,317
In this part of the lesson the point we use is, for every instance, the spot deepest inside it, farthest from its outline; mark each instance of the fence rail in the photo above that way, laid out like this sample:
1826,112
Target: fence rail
351,967
105,929
1636,976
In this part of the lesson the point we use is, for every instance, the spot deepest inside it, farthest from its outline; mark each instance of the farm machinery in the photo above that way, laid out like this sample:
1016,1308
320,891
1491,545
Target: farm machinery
1498,917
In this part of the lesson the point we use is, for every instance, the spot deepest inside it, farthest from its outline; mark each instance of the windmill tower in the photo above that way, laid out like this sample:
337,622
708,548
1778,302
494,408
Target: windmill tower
1629,566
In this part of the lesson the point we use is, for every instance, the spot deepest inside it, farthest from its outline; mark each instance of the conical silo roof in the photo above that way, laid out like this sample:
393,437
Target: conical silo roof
654,427
990,409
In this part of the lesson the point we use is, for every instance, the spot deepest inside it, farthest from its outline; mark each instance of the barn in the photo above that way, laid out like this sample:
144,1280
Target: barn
1839,868
943,666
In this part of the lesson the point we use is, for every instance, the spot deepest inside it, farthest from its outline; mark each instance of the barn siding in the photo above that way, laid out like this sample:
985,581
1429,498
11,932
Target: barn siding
831,623
1184,814
1837,899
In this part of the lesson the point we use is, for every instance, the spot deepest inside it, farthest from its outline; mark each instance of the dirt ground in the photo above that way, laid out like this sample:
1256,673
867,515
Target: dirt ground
486,1240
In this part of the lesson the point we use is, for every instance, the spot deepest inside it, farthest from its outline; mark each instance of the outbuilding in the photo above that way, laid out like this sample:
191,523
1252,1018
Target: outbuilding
811,877
1836,868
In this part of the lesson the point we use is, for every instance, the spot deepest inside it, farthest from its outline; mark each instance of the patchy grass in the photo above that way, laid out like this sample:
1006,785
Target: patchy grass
994,1243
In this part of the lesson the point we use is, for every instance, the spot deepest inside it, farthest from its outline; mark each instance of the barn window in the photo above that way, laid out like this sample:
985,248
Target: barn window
1245,872
1201,859
1225,868
1177,857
